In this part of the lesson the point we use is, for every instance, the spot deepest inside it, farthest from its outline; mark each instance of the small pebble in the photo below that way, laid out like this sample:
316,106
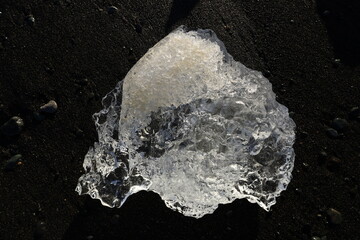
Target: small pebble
333,163
229,213
83,82
50,107
319,238
267,73
354,191
306,229
305,165
332,133
138,28
12,162
326,13
30,20
336,63
38,116
334,160
340,124
112,10
12,127
334,216
40,230
303,134
79,133
323,155
49,69
354,113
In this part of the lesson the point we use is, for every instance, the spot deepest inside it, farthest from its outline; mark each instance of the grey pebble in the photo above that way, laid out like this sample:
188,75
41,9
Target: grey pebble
305,165
332,133
12,127
12,162
50,107
340,124
334,216
315,238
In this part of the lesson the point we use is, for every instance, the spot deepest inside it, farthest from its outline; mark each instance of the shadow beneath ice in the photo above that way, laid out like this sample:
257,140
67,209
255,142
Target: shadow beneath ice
342,21
180,9
145,216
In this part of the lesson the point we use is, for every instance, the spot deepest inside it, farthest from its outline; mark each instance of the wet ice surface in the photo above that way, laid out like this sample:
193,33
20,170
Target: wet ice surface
193,125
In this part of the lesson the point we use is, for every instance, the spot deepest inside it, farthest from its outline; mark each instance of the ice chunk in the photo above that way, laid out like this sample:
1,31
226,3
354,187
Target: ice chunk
193,125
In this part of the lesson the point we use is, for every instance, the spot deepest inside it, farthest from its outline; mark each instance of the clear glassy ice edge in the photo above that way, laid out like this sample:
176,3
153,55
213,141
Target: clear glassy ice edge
193,125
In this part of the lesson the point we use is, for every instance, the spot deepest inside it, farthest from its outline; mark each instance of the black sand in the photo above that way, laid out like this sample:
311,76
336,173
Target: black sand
309,50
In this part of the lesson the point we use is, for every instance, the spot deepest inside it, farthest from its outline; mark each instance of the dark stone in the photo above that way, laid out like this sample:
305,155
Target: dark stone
49,69
12,127
332,133
138,28
354,113
40,231
303,134
333,163
229,213
326,13
323,155
267,73
79,133
305,165
298,191
38,116
30,20
334,216
11,164
336,63
83,82
306,229
50,107
112,10
340,124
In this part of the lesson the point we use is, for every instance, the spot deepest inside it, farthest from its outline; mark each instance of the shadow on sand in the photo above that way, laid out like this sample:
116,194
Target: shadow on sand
145,216
342,21
180,9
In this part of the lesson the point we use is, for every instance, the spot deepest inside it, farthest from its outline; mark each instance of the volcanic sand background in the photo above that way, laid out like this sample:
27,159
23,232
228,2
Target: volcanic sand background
76,52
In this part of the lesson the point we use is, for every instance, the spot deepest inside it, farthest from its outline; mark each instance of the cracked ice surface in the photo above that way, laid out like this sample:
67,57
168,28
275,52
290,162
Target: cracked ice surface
193,125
